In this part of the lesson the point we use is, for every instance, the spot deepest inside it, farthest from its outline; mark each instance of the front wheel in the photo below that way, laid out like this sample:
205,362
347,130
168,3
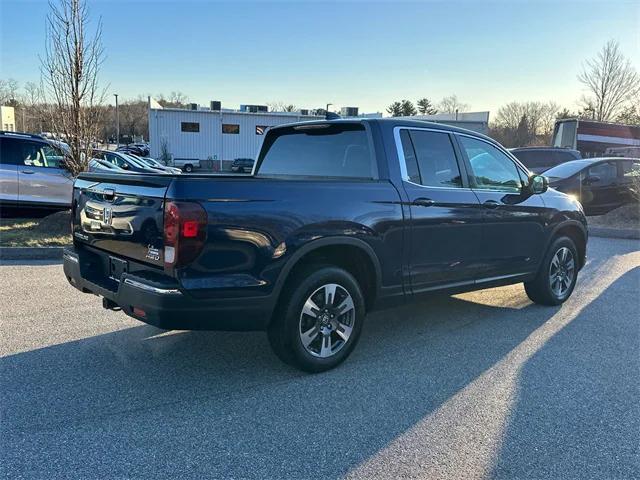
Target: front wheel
557,276
319,320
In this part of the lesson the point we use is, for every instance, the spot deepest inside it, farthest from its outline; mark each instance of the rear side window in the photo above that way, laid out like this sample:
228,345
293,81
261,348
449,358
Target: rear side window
436,159
323,150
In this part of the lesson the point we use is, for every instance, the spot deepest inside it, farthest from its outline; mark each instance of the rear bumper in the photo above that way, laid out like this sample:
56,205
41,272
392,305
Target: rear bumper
164,304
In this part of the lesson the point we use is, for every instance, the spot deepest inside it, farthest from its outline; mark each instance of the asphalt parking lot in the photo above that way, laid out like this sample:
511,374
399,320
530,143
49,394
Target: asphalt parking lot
476,385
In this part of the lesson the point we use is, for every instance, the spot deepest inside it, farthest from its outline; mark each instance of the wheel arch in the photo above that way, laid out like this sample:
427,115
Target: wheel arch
354,255
576,232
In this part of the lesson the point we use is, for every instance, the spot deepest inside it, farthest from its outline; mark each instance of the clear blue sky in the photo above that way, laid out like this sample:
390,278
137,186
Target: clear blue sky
364,54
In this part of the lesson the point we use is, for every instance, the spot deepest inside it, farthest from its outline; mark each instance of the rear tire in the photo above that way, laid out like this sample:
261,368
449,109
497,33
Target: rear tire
188,168
557,276
319,319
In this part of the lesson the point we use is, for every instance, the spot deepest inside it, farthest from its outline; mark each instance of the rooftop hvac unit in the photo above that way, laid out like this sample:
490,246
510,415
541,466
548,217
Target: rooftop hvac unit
349,111
215,105
193,106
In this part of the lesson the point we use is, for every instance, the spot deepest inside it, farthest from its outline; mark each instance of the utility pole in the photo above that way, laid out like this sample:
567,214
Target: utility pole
117,122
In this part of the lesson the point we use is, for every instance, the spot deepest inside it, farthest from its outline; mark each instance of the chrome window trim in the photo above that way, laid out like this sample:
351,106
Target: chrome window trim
404,175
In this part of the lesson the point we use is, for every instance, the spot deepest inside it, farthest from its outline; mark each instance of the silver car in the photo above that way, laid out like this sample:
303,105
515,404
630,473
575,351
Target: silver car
31,174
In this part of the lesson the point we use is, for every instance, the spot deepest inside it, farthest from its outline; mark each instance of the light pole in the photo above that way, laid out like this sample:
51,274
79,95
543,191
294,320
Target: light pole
327,109
117,122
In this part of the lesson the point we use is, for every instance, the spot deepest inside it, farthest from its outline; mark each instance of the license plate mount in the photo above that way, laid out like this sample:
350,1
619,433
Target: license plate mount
117,267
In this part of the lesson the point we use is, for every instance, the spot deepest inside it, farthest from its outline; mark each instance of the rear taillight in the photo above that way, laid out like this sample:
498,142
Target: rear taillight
185,231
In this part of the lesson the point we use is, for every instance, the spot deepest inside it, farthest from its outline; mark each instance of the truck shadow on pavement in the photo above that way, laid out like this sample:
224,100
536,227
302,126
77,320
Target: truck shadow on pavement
143,402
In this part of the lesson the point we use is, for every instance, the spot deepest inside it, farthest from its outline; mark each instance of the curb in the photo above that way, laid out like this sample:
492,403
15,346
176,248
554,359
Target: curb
31,253
625,233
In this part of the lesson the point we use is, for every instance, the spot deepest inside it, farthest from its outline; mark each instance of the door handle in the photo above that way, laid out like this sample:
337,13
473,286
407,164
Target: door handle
28,172
491,204
423,202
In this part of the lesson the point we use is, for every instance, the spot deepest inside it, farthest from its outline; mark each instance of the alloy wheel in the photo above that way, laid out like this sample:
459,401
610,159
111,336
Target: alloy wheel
327,320
561,272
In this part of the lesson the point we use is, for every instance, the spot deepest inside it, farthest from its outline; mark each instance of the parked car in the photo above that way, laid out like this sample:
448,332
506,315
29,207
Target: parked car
187,165
341,217
96,165
155,164
140,149
31,173
540,159
124,161
242,165
600,184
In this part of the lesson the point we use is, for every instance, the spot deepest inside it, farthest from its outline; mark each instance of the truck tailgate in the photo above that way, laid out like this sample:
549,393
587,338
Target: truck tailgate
121,214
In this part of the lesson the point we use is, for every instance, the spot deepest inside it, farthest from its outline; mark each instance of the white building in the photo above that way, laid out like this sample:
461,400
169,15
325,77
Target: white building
7,119
205,134
476,121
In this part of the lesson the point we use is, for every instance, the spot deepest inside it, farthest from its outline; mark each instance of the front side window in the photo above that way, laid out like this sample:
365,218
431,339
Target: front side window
491,169
320,150
231,128
603,173
31,154
436,159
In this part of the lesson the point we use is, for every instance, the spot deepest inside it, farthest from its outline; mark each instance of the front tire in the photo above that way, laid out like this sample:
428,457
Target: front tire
557,276
319,319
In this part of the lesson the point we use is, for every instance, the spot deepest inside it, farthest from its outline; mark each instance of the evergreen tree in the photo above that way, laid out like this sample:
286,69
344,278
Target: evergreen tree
408,109
425,107
395,109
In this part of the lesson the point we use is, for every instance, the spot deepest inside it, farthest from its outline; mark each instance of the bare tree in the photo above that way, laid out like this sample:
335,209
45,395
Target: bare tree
70,70
539,121
611,81
281,107
9,92
451,104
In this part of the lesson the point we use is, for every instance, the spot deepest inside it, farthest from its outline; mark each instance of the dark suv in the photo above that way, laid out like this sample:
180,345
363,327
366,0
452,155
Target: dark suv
242,165
539,159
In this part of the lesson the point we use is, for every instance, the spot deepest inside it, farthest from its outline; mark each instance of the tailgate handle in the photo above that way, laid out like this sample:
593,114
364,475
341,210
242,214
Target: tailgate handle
109,194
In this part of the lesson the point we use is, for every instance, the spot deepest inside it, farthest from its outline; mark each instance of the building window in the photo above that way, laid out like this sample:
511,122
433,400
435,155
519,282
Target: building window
190,127
260,129
231,128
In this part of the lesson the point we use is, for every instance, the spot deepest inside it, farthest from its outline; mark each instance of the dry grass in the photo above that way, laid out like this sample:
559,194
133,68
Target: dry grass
627,216
51,231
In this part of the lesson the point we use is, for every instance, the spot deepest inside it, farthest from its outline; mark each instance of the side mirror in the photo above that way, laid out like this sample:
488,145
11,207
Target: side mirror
590,179
538,183
125,166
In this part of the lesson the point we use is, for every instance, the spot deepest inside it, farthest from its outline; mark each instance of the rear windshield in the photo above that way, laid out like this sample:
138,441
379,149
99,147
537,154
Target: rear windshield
320,150
565,170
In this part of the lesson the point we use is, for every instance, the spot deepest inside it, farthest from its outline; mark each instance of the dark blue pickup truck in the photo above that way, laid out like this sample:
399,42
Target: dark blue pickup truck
340,217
